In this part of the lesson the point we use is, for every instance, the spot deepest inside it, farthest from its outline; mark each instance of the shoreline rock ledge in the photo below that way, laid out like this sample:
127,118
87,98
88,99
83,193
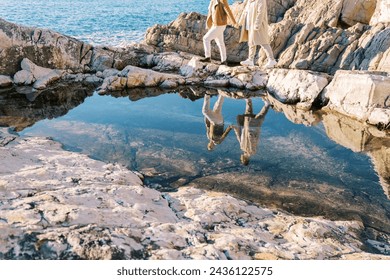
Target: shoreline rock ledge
325,40
305,34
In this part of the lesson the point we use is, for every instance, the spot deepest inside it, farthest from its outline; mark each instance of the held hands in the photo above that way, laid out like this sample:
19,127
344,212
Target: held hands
235,25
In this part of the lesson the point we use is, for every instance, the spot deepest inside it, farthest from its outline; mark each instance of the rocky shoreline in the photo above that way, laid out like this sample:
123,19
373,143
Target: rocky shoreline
331,59
315,61
57,204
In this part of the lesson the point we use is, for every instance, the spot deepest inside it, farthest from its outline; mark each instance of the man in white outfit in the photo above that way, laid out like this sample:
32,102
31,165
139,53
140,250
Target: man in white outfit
254,30
219,12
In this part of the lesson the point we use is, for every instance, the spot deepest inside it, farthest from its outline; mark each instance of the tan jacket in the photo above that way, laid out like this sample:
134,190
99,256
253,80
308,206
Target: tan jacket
258,24
216,16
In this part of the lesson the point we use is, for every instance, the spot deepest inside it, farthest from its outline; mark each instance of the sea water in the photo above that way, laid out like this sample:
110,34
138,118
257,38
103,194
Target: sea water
108,22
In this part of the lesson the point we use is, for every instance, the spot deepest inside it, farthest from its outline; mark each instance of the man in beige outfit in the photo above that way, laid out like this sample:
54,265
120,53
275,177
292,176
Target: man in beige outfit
217,18
254,30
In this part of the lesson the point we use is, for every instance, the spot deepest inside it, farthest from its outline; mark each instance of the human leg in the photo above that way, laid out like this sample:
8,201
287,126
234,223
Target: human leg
218,104
219,39
214,33
270,56
206,105
251,56
248,107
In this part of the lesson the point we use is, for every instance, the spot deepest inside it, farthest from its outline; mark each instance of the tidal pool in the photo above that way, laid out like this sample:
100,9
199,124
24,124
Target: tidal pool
332,167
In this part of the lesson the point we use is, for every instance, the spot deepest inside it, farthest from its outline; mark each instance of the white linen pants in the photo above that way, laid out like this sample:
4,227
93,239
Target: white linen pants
267,48
214,116
215,33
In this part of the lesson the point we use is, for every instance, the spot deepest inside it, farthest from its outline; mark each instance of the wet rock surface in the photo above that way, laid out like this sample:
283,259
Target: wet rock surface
61,205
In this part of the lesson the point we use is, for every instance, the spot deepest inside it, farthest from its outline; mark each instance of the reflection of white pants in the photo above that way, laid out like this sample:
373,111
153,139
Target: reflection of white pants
215,33
215,115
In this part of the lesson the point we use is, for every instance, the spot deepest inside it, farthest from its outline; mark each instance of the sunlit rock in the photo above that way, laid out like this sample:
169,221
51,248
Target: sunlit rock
380,117
5,81
169,84
185,34
168,61
42,46
133,77
357,94
382,12
296,86
304,35
355,11
192,68
23,77
40,77
103,58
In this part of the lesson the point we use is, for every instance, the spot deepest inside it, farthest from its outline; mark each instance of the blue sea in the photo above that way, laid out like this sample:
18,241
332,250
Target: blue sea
108,22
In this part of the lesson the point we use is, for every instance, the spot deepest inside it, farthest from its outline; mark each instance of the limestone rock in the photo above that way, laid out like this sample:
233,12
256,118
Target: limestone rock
296,86
382,12
380,117
323,13
32,73
5,81
355,11
103,58
133,77
168,84
243,77
185,34
168,61
23,77
192,68
305,34
44,47
357,94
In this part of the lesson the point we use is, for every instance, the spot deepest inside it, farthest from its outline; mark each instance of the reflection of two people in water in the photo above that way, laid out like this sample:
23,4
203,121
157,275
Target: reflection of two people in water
247,129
